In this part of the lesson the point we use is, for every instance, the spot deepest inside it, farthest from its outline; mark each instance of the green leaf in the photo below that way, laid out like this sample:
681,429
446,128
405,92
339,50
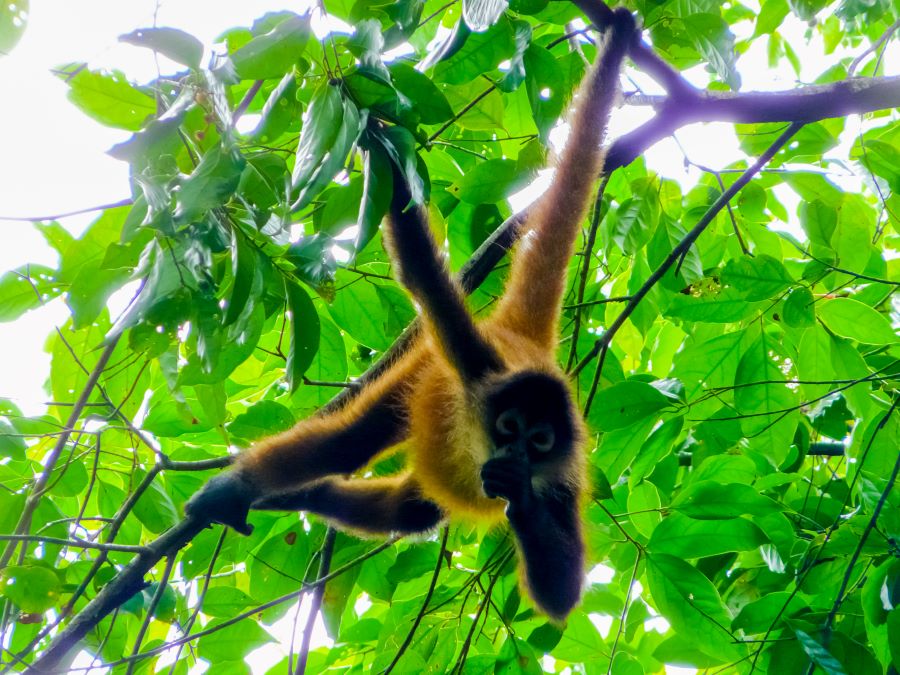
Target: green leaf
13,20
281,110
758,278
109,98
852,319
515,70
276,52
819,221
172,43
819,655
261,419
712,38
770,16
32,588
768,612
481,53
427,100
304,333
799,309
693,606
211,184
707,499
400,147
644,505
761,392
727,306
231,643
155,508
279,564
351,125
321,125
489,182
245,269
685,537
378,186
24,288
11,445
625,403
545,637
656,448
893,637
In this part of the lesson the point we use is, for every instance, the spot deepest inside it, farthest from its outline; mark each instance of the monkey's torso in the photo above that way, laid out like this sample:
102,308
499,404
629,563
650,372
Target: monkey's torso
448,443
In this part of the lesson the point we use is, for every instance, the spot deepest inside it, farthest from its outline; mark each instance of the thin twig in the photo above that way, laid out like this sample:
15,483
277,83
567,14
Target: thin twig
602,344
316,603
49,463
421,614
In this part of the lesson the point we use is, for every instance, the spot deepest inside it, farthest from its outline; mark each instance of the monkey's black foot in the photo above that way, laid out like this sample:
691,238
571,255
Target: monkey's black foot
507,477
225,499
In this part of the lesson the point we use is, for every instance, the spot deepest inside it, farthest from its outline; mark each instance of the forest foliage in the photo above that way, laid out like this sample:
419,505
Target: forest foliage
744,452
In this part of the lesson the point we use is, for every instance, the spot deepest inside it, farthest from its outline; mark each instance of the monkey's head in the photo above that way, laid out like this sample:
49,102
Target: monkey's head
530,413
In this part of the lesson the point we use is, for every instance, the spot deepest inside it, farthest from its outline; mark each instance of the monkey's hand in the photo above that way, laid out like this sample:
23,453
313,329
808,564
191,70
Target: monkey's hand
508,477
225,499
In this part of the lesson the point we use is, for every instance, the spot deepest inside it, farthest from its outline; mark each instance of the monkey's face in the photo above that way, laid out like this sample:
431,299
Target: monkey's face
530,415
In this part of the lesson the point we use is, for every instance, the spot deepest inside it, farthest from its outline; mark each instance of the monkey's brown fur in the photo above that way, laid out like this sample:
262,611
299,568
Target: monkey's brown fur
436,403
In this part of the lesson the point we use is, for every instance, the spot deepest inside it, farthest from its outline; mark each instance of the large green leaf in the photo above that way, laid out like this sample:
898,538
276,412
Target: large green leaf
625,403
175,44
758,278
852,319
689,538
276,52
24,288
304,333
110,99
693,606
211,184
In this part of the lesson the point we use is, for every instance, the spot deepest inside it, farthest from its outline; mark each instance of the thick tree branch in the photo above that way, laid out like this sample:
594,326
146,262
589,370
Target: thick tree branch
805,104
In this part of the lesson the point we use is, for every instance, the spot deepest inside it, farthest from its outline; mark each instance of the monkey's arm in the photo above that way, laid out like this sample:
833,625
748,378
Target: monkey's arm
339,443
421,269
547,527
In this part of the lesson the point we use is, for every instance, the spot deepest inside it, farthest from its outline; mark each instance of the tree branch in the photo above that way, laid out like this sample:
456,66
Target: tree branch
317,596
602,344
52,457
805,104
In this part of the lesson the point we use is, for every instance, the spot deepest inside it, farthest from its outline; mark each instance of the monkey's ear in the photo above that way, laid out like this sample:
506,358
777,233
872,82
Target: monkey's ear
225,499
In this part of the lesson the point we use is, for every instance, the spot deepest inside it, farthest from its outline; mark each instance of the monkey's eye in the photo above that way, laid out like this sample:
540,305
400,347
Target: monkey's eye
510,422
542,437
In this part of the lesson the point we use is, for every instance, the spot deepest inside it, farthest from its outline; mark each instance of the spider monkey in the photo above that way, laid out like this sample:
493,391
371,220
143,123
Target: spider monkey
482,409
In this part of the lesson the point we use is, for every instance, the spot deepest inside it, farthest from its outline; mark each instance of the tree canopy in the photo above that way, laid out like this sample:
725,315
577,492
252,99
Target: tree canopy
731,335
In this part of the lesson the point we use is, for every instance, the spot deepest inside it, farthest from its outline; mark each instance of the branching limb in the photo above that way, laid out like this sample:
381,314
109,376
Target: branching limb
602,344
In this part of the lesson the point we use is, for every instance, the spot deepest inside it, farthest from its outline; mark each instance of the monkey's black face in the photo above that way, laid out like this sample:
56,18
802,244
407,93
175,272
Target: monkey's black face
530,415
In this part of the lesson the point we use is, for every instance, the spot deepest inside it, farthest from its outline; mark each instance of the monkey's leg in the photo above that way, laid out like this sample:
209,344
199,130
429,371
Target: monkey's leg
370,505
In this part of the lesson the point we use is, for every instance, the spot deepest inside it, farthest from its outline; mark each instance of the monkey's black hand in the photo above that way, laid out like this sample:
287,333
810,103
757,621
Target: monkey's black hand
225,499
508,477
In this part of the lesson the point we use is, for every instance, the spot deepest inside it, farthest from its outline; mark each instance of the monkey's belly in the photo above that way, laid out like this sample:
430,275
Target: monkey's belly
449,447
